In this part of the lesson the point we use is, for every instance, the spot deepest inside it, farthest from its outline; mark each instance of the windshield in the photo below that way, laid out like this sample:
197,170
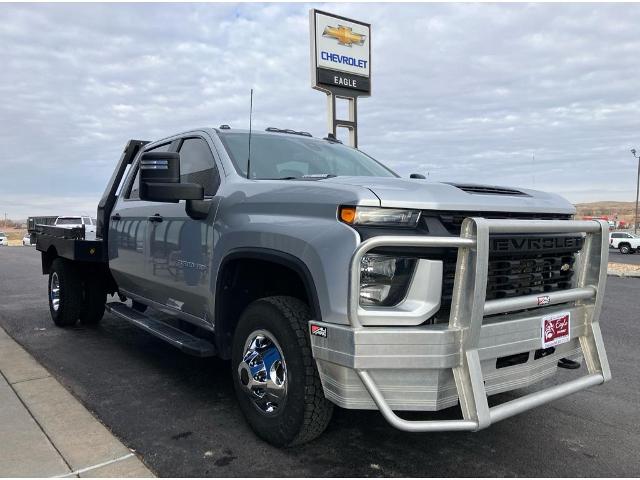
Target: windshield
284,156
69,221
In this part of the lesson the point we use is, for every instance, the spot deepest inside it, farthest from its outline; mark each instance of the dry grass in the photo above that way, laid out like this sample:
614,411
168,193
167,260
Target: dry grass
14,235
623,267
624,210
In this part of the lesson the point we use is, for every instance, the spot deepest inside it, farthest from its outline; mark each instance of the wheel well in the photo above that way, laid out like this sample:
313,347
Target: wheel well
624,243
47,259
94,270
246,277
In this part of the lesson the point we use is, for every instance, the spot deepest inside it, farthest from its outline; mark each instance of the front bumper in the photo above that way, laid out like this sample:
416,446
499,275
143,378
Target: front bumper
431,367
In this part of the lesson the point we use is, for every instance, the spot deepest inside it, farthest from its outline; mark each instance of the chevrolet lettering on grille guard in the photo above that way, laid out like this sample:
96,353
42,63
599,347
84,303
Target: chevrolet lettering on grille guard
534,244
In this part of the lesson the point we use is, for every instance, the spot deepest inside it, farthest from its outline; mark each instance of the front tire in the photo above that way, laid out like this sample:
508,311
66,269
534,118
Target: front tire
275,376
65,293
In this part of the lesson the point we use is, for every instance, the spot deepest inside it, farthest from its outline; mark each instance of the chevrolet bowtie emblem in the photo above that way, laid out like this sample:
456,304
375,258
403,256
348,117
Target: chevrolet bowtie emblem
344,35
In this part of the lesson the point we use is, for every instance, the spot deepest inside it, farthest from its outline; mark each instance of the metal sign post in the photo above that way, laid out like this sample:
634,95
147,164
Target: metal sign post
340,66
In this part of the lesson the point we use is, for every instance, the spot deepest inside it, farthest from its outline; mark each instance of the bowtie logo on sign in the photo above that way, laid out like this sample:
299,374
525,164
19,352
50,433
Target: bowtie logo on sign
344,35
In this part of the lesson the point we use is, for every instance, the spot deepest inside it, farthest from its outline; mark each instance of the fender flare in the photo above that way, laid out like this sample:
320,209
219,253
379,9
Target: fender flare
276,256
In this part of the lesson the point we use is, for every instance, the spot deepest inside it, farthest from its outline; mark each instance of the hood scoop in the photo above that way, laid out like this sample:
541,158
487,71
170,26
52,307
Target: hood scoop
488,190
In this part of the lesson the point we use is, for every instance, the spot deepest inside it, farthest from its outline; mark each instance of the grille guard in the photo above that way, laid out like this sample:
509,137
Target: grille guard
468,308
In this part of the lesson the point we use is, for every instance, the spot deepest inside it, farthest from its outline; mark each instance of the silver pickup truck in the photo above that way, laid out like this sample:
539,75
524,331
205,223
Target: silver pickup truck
328,280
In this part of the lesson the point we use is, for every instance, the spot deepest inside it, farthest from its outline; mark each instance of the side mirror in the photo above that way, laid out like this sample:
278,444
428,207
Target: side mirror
160,179
417,175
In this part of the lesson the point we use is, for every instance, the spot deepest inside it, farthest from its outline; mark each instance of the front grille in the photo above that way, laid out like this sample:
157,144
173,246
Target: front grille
517,275
452,221
525,276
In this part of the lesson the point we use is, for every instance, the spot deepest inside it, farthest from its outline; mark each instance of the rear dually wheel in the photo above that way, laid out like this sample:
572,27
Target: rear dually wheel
65,293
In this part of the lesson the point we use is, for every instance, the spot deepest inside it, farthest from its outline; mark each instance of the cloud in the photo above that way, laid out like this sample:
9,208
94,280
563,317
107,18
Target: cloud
465,92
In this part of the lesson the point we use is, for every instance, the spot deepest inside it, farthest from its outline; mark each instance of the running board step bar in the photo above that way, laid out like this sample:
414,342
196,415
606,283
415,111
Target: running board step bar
189,344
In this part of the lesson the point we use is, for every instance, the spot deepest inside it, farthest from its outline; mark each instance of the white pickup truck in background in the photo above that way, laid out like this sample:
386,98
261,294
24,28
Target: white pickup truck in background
71,222
625,242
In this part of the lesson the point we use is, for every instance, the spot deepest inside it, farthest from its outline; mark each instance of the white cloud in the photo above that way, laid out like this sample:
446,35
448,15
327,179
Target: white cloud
467,92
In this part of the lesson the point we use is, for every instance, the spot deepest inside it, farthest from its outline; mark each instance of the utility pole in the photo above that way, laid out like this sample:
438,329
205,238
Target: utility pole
533,170
635,221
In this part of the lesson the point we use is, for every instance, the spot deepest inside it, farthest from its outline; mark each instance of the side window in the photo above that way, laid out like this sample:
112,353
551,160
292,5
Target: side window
198,166
134,193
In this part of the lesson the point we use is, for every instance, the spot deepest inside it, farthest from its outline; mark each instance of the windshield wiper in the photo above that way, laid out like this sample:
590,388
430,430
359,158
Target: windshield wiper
319,176
314,176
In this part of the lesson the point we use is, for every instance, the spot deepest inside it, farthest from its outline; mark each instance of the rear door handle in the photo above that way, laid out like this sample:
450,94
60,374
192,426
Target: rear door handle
156,218
115,217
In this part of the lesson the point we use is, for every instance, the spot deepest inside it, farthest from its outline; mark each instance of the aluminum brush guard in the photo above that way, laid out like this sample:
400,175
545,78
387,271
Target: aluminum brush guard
468,308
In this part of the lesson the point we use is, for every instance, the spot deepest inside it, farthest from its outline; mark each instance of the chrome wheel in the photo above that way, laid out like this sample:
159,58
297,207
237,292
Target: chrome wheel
54,291
263,372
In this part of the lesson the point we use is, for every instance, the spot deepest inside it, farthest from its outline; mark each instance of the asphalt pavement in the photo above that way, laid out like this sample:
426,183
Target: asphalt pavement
179,413
629,258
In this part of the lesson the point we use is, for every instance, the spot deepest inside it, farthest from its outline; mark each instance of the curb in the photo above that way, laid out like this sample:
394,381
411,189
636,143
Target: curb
616,273
47,432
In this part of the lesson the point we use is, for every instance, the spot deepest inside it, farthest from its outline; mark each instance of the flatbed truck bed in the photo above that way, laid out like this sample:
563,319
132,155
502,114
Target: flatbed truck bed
70,243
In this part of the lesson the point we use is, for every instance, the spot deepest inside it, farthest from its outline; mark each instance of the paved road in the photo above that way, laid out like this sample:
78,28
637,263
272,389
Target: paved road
180,413
630,258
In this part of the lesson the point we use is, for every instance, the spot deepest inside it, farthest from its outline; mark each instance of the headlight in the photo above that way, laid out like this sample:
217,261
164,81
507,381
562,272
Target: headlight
380,217
384,280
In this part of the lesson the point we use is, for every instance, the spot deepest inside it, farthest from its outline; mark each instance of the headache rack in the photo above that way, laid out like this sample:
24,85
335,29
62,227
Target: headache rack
470,306
74,243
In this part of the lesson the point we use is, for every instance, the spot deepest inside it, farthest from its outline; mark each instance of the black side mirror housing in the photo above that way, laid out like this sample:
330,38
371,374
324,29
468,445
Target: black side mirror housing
417,175
160,179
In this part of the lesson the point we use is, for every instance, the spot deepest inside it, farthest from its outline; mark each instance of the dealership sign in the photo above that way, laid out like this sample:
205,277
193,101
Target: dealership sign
340,54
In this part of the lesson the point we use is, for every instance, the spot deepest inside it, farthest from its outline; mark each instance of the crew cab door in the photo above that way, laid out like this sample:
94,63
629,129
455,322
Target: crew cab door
180,246
128,232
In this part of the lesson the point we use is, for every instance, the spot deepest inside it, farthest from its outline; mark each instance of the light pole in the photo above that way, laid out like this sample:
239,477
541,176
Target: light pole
635,221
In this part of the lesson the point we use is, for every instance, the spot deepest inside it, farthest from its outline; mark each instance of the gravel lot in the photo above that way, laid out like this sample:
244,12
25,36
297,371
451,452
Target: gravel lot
180,413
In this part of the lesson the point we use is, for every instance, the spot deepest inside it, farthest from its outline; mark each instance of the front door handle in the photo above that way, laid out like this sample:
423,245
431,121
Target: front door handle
156,218
115,217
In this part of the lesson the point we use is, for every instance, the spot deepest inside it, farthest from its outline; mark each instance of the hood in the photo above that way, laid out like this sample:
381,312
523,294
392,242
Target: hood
428,195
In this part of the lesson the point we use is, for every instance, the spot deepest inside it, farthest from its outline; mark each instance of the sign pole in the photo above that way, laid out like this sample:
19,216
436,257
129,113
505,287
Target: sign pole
350,123
340,66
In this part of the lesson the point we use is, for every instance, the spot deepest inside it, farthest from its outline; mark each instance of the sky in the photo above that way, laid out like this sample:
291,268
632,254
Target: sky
541,96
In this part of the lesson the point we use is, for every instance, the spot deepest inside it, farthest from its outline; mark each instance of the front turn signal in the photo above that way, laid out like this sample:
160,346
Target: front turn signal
348,214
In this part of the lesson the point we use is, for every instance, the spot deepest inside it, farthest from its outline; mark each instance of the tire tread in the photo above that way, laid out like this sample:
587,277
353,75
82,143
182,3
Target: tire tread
94,300
70,293
318,409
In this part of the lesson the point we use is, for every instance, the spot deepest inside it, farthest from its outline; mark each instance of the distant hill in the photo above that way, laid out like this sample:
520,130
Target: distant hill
624,210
